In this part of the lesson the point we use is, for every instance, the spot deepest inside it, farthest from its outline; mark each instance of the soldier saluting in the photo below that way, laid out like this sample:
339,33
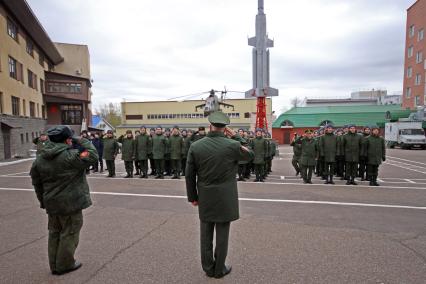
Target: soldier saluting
59,179
211,185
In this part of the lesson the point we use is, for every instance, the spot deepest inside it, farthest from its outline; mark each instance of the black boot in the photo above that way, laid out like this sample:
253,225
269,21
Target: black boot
348,182
326,180
375,183
331,180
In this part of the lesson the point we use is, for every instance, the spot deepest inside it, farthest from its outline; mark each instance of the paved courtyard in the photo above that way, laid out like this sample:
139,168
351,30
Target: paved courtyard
144,231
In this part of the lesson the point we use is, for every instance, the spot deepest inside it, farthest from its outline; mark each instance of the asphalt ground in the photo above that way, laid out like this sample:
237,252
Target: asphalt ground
144,231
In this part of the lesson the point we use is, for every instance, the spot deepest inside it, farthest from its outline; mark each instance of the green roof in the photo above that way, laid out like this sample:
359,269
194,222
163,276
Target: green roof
337,115
395,115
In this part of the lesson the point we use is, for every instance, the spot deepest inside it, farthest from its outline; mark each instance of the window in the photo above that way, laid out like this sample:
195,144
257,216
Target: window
24,107
1,102
410,51
418,80
22,138
38,110
43,111
26,137
421,35
30,47
32,80
409,72
419,57
41,58
134,117
58,87
32,109
408,93
12,30
42,86
32,135
71,114
15,105
417,101
411,31
246,115
12,68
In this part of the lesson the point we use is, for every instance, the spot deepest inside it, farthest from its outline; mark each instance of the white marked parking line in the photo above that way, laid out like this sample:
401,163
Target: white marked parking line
248,199
399,166
411,161
282,177
409,180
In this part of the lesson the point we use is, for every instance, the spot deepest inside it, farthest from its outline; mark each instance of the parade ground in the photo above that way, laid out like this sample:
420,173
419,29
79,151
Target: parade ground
145,231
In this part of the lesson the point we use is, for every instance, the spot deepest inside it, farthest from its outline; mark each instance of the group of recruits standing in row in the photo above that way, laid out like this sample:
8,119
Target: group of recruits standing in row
167,151
341,152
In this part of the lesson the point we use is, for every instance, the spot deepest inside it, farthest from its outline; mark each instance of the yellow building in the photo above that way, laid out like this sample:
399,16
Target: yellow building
183,113
39,80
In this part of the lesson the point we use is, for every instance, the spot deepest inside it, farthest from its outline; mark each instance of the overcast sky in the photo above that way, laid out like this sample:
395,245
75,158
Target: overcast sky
160,49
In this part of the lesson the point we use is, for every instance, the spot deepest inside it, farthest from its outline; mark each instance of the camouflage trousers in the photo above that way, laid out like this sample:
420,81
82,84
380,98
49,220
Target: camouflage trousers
64,234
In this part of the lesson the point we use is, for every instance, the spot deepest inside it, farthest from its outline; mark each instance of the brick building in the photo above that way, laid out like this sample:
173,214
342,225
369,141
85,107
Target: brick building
415,52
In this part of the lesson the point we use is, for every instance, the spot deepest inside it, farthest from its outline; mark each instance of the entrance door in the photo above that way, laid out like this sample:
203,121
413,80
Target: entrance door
286,136
6,141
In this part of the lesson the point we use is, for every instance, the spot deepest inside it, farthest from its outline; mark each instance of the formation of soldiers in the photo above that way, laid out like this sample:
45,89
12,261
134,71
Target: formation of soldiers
164,152
344,153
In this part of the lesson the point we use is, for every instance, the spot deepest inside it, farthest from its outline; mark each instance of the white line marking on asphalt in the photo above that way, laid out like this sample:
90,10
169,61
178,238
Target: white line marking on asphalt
408,164
409,180
405,160
258,183
379,180
399,166
282,177
14,174
15,162
247,199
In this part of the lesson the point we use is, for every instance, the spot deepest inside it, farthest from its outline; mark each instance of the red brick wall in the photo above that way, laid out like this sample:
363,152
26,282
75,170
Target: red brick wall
416,15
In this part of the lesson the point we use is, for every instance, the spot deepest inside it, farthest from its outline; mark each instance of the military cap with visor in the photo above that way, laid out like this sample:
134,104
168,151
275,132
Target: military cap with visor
219,119
60,133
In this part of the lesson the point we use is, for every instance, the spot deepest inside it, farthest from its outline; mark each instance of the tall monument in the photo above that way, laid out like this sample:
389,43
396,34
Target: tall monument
261,88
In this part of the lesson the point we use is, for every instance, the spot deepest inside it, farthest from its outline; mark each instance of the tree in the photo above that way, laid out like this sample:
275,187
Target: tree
295,102
110,112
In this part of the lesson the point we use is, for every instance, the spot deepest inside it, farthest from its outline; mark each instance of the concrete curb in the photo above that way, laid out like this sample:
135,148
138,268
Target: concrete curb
15,162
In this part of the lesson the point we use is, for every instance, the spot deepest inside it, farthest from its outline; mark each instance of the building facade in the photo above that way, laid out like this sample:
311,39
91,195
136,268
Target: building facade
28,60
415,52
171,113
68,88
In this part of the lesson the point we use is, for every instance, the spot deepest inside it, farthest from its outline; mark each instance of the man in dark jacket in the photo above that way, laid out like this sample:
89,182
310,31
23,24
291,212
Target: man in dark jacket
59,179
260,148
186,135
99,145
137,165
110,152
376,153
150,154
128,152
211,185
352,148
340,155
40,142
328,150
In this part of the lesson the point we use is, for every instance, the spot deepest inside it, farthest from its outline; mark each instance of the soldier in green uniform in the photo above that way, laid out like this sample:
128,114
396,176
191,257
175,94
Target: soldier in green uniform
59,179
352,149
200,134
309,153
110,152
376,153
167,160
242,163
272,150
328,151
363,155
128,152
249,167
137,166
211,185
40,142
260,147
340,154
143,147
297,152
186,135
150,154
159,144
176,144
